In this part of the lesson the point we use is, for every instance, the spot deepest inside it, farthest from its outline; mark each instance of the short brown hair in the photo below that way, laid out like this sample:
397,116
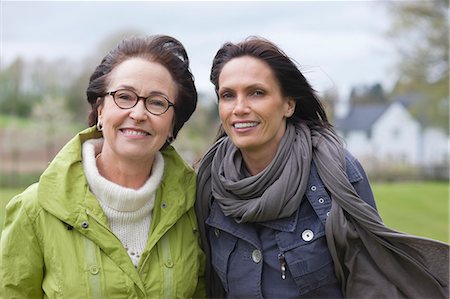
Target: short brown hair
161,49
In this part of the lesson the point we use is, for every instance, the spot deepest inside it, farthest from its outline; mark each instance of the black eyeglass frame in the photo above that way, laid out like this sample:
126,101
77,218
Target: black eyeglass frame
112,93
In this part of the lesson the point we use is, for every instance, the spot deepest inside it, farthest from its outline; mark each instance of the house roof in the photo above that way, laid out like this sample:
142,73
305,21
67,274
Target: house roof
408,99
360,117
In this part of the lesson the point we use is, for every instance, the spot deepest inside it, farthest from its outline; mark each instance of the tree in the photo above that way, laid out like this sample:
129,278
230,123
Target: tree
24,84
329,99
199,131
53,120
13,100
76,96
421,34
368,94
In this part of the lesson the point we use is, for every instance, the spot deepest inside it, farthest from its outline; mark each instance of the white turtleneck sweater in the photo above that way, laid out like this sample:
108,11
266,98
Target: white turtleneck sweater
128,211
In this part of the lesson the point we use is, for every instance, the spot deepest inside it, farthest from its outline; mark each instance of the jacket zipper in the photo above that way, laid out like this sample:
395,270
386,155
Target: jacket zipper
282,261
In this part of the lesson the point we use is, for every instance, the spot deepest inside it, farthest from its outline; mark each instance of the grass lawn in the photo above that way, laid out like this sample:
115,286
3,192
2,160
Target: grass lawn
419,208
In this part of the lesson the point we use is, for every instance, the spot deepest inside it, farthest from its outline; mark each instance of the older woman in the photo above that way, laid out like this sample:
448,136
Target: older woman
112,216
286,211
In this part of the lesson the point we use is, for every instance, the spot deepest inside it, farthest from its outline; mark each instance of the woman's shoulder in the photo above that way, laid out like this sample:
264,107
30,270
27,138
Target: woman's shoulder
173,159
204,164
176,168
353,167
25,202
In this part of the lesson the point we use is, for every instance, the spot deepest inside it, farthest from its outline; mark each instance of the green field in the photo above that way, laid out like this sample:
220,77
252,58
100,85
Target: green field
419,208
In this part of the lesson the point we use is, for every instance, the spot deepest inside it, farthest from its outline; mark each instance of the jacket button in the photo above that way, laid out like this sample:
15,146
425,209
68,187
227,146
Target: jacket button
168,263
307,235
256,256
321,200
217,232
313,188
328,213
93,269
85,224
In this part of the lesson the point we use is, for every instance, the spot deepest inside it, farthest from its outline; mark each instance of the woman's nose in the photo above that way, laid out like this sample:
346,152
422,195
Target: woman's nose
241,105
139,112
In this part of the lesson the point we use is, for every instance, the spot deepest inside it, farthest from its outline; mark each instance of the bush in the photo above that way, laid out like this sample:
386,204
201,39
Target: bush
16,180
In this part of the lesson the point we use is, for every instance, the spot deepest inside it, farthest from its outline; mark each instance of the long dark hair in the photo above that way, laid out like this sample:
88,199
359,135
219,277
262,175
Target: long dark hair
293,84
161,49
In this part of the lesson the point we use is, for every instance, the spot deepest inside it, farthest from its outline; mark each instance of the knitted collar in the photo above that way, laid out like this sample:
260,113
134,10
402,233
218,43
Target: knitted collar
111,194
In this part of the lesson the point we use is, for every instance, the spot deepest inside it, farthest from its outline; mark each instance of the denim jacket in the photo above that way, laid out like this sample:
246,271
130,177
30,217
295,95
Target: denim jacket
284,258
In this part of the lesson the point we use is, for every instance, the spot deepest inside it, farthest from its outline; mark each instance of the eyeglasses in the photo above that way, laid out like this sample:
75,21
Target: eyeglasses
156,104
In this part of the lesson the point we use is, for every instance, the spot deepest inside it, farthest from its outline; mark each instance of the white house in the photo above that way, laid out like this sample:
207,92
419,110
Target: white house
389,133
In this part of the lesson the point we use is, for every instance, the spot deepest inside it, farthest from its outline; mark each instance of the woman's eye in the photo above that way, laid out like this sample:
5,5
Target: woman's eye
124,96
258,93
226,96
155,102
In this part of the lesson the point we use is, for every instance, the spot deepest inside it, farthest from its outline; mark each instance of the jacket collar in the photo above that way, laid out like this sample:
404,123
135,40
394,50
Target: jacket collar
63,190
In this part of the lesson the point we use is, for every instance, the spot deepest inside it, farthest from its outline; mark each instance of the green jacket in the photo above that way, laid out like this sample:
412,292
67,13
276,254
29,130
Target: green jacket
57,243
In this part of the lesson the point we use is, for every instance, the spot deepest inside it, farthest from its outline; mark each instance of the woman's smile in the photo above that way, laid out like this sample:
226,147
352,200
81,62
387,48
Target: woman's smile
244,125
252,107
134,133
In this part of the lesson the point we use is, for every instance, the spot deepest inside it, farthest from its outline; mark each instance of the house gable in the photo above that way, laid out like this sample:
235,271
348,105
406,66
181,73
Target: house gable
396,135
390,134
360,118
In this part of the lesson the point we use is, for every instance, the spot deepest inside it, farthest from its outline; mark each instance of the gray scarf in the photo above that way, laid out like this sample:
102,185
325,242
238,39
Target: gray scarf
267,195
371,260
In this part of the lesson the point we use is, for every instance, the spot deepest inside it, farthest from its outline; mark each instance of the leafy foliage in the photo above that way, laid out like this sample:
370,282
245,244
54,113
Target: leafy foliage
199,132
368,94
13,100
420,31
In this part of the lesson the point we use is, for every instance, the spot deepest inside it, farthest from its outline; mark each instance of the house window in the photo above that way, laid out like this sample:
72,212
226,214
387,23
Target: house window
395,133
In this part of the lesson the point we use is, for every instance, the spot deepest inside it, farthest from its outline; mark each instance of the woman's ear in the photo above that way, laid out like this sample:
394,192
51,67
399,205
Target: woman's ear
99,114
172,126
290,107
100,106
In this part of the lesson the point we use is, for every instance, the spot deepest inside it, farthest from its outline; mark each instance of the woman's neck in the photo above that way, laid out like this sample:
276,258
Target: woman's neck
259,157
257,161
127,173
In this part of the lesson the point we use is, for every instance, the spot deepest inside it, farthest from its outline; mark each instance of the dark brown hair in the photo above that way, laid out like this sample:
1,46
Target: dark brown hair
293,84
161,49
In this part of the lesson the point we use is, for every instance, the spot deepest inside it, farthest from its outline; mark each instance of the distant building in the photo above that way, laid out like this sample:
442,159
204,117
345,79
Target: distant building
377,133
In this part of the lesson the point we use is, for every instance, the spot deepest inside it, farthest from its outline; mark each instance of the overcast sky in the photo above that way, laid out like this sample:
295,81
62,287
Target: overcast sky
338,44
